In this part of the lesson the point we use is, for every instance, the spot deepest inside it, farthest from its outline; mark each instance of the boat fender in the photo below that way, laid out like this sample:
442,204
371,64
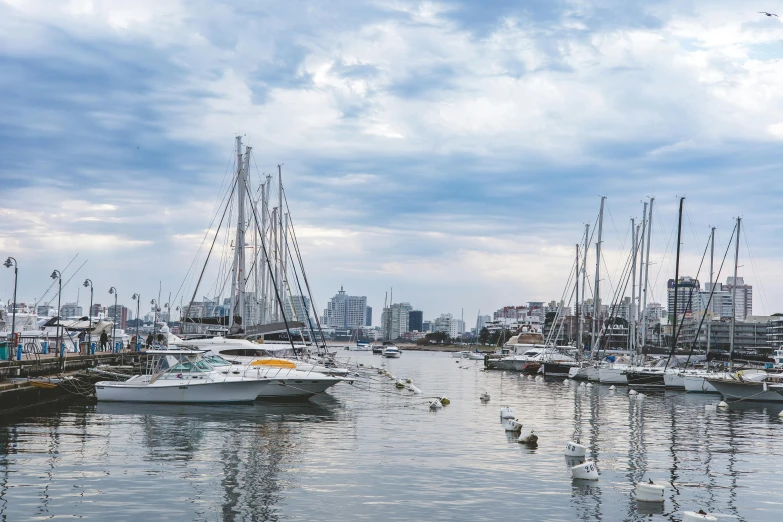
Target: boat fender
640,396
585,471
574,449
723,404
698,516
649,492
445,401
435,404
506,413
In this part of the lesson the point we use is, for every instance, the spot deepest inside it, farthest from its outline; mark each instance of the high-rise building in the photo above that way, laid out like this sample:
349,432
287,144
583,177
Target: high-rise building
720,305
688,297
415,320
743,294
346,311
70,310
394,320
482,321
43,310
96,310
449,324
122,316
300,311
368,320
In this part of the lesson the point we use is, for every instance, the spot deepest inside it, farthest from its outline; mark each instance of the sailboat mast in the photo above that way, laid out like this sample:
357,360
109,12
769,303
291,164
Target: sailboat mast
647,273
734,299
241,227
632,307
712,282
576,282
280,232
584,288
677,277
640,242
597,294
240,205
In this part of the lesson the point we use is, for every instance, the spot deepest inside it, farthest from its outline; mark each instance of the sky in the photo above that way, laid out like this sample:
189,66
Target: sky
452,151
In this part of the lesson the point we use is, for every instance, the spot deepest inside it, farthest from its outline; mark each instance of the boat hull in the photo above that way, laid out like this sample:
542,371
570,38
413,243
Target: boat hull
746,391
578,373
644,378
184,392
527,367
554,369
674,380
698,384
500,364
612,375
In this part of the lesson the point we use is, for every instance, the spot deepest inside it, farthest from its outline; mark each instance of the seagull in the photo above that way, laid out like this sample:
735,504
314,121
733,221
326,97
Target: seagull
768,14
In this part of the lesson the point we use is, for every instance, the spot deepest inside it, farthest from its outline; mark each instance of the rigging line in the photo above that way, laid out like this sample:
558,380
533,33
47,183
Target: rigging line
301,293
206,261
709,300
688,305
218,203
616,231
55,281
622,248
272,278
571,273
304,274
659,222
688,215
755,274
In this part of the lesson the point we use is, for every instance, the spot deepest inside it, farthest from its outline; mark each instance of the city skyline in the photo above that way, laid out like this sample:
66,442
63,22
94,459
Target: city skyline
430,172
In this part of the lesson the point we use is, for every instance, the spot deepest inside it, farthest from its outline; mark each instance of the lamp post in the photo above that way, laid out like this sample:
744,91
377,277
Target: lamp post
57,275
113,291
137,298
13,309
154,320
88,282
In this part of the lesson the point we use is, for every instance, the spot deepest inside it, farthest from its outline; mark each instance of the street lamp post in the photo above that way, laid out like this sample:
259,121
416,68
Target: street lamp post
154,320
88,282
13,309
57,275
137,298
113,291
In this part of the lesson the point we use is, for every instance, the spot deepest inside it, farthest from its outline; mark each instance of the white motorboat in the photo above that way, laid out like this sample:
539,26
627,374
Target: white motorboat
476,356
181,377
391,352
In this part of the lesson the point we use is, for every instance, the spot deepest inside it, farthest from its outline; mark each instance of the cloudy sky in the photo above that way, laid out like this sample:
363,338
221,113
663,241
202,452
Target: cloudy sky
451,150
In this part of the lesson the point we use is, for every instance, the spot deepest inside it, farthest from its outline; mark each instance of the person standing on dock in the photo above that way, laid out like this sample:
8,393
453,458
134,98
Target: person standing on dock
149,340
104,341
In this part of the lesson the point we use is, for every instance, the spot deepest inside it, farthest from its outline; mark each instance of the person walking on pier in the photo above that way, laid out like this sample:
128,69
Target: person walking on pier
104,341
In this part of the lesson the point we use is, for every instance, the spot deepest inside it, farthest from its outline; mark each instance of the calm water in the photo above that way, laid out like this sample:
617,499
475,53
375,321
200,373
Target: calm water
373,452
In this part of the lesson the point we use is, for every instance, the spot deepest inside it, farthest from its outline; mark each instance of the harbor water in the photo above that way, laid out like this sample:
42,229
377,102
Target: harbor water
374,452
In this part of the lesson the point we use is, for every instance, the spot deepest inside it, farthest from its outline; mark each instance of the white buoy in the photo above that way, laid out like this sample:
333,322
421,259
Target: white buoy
780,414
565,381
415,390
698,516
435,404
723,404
589,385
581,385
527,437
612,387
574,449
506,413
640,396
484,397
632,392
399,384
539,378
512,425
649,492
585,471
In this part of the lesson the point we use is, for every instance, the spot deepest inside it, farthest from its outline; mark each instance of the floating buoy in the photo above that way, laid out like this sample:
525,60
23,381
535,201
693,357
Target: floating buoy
435,404
780,414
632,392
361,364
484,397
539,378
408,380
574,449
589,385
414,389
585,471
649,492
457,361
506,413
723,404
399,384
445,401
698,516
640,396
512,424
612,388
565,381
528,437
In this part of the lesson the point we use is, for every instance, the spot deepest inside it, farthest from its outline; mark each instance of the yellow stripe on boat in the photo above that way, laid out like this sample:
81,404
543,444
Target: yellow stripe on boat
275,363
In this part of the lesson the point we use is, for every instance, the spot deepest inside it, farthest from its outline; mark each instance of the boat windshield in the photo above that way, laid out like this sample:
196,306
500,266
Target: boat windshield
216,360
191,367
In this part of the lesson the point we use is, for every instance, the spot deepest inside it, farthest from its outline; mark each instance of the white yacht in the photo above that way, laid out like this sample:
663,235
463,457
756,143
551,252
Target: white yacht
391,352
181,376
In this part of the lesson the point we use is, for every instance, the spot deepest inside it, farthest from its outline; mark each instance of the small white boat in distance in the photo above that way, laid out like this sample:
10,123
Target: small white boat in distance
391,352
460,355
183,377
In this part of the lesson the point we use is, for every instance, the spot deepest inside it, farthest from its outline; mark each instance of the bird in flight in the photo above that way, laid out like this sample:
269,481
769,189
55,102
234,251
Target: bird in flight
768,14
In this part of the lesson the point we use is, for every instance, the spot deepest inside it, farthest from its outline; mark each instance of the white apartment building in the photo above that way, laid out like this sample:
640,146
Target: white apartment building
394,320
346,311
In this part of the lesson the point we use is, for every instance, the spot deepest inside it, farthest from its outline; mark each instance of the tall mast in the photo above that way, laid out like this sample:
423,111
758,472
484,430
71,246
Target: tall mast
388,312
576,282
647,273
241,237
712,273
632,305
285,257
275,310
640,242
584,288
734,299
597,294
262,254
280,232
677,277
235,271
